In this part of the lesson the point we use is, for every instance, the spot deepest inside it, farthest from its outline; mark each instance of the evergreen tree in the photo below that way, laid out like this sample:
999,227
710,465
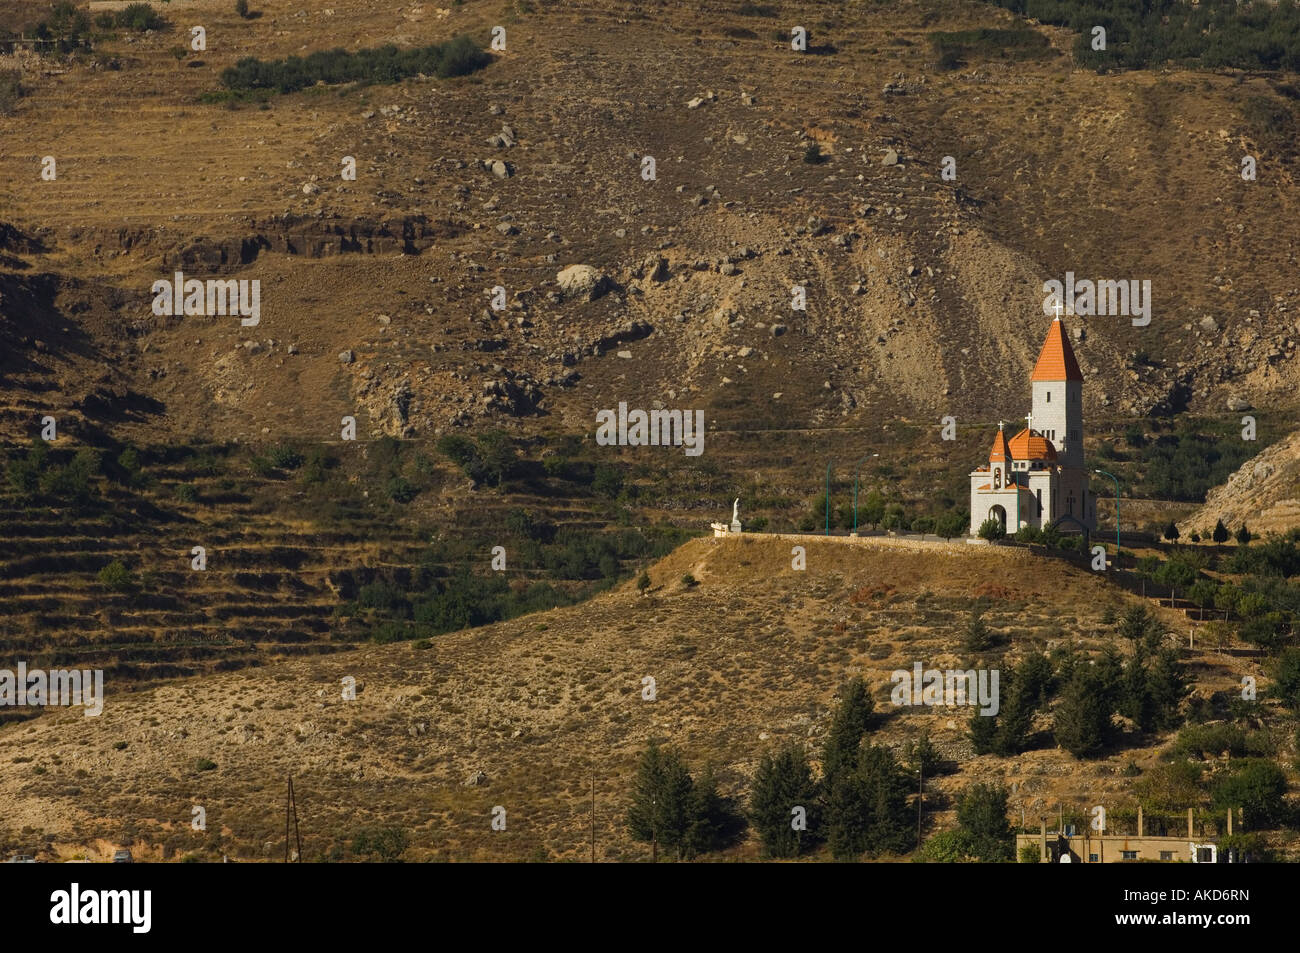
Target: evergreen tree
1171,532
1166,687
1136,702
978,637
848,728
784,782
713,821
1082,723
983,733
661,799
1243,535
867,807
982,813
1220,534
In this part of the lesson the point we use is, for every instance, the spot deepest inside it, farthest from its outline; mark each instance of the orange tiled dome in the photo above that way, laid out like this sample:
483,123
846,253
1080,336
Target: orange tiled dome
1031,445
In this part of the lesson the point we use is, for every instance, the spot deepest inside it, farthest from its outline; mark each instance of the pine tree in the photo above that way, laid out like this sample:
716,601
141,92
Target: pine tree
978,637
1135,698
1166,686
1171,532
713,822
782,783
661,799
983,733
982,813
1082,721
848,728
887,787
1220,534
1243,535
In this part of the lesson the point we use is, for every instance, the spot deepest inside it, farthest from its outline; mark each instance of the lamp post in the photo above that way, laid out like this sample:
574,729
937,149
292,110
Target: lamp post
1112,476
855,491
828,497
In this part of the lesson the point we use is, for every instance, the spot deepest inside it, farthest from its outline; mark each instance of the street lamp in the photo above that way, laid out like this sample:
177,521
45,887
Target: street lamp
828,497
855,491
1112,476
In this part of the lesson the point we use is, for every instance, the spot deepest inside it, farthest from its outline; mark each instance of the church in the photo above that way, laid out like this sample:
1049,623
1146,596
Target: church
1037,477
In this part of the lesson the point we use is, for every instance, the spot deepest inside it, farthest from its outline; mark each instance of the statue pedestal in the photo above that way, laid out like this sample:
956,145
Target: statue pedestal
735,526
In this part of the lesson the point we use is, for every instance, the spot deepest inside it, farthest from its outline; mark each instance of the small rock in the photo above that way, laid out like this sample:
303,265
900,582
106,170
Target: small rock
346,357
1238,404
891,157
778,330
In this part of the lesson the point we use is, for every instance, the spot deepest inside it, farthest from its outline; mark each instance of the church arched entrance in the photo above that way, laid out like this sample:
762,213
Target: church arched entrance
996,512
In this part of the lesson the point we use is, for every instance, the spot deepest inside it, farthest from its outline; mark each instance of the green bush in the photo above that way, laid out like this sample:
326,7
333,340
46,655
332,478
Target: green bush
116,577
139,17
204,764
384,844
186,493
11,90
991,529
386,64
285,457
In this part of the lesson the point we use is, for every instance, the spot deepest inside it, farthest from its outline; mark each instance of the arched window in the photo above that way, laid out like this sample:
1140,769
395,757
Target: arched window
997,478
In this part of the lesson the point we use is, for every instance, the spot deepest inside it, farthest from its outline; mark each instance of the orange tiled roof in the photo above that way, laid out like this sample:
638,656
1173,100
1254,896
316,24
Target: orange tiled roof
1031,445
1000,453
1056,360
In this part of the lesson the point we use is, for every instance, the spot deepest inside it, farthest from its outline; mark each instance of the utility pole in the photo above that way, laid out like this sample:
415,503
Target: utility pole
828,497
654,835
920,796
1113,477
291,811
593,815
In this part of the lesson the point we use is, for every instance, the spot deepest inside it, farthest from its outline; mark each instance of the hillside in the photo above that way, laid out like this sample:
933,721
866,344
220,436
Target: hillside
747,659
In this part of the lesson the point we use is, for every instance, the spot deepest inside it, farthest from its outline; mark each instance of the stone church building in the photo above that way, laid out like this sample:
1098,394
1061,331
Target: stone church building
1037,477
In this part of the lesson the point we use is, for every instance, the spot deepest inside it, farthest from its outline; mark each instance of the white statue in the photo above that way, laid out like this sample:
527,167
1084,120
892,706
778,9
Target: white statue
735,516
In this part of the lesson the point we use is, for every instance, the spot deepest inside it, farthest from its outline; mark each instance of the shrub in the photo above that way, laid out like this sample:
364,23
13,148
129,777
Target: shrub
241,8
11,90
139,17
386,64
689,581
991,529
950,847
285,457
382,844
186,493
116,577
204,764
1255,785
1029,854
400,490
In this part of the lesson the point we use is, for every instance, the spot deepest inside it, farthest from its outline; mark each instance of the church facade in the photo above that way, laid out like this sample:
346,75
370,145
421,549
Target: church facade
1037,477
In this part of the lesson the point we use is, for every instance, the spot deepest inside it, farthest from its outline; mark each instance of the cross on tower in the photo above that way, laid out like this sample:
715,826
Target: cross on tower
1057,308
1029,421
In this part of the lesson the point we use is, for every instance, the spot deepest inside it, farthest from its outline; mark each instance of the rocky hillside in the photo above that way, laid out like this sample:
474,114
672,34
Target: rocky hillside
521,714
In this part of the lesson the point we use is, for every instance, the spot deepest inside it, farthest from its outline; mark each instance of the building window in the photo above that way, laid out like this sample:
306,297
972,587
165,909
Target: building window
1129,854
1040,502
997,478
1049,396
1166,855
1093,858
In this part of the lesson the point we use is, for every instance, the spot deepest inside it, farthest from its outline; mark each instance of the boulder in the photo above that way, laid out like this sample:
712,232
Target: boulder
582,281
